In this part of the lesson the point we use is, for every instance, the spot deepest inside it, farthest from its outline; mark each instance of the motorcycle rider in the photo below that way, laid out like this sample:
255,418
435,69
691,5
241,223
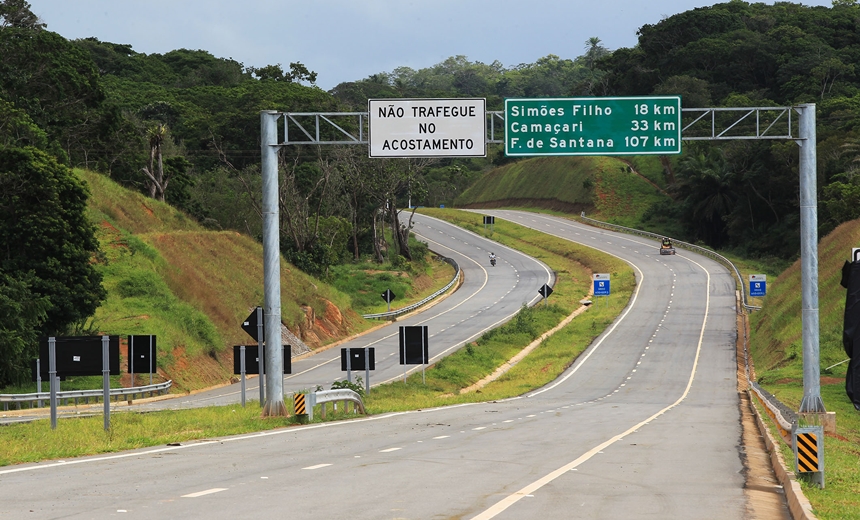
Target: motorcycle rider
493,259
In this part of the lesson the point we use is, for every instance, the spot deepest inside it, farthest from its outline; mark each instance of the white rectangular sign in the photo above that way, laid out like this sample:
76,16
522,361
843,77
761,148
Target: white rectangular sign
455,127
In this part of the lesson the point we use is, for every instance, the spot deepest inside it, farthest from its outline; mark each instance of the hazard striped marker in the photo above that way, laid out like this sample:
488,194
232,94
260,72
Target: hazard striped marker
300,404
807,452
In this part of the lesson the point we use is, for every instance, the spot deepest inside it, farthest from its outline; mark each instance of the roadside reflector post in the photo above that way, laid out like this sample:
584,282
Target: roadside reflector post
808,445
301,413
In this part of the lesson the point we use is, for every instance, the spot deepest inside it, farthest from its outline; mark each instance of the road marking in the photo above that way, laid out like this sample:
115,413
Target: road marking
512,499
318,466
201,493
389,450
442,437
479,428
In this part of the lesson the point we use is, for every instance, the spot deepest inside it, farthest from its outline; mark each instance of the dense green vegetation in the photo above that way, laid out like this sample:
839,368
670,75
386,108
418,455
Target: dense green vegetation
182,127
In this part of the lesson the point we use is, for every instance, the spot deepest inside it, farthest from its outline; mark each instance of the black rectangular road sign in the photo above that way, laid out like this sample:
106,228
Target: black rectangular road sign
489,219
140,348
252,359
414,345
357,359
79,356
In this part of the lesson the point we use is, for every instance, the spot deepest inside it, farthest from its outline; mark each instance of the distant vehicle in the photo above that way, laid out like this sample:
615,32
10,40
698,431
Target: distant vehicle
666,247
493,259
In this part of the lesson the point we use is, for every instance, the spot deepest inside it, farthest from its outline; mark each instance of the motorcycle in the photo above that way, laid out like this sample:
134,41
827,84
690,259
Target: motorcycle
493,262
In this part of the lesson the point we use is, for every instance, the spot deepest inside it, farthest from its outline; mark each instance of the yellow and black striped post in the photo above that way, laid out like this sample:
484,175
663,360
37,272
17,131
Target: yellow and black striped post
809,452
300,404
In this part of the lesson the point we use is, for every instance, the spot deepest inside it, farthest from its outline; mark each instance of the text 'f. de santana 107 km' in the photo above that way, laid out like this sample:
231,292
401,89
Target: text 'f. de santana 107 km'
649,125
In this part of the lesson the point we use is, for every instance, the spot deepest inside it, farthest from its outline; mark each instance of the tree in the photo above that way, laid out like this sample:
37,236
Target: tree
22,313
706,187
17,13
46,241
594,50
157,181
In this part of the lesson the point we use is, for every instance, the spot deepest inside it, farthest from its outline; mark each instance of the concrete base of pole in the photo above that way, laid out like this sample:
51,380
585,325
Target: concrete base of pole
275,409
826,419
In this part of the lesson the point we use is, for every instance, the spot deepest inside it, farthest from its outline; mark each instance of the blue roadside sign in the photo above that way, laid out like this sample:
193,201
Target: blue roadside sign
758,285
601,284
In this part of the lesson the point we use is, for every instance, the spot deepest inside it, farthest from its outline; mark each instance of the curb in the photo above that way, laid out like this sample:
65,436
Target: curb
798,504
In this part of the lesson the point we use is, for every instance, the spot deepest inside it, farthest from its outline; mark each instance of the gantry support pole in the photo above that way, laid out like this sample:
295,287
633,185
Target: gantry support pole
274,362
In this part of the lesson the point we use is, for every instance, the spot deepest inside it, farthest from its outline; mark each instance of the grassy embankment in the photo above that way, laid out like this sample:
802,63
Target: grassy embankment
776,348
572,264
605,188
191,287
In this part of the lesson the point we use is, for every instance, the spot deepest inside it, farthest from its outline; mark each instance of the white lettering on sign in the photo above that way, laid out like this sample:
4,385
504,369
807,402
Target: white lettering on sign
76,358
427,127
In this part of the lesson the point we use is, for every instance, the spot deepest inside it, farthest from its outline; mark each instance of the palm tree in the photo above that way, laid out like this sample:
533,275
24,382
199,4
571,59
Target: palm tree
707,186
157,181
594,50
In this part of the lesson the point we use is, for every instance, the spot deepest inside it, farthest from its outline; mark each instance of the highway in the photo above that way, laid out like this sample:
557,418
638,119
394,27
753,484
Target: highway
645,424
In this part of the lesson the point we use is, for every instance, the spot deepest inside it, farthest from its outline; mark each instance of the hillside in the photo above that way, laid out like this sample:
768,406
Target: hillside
168,276
604,187
776,333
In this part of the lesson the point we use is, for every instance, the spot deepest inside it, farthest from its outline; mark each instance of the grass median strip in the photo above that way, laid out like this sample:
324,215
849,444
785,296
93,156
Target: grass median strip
573,265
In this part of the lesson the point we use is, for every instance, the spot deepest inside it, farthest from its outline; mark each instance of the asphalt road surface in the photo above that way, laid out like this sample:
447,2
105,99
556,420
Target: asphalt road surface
645,424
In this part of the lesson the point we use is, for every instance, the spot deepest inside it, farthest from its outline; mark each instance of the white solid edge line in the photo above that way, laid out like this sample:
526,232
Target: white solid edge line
512,499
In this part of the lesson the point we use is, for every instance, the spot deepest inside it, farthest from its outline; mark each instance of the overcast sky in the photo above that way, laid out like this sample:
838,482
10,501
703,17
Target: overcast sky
348,40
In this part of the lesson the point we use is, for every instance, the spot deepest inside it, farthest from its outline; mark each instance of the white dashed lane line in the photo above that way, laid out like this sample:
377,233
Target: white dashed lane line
202,493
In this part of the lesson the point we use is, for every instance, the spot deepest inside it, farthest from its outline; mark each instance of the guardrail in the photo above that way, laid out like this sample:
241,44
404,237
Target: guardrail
410,308
683,245
119,394
330,396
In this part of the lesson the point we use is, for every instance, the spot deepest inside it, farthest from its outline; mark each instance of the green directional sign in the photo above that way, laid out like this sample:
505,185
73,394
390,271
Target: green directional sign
649,125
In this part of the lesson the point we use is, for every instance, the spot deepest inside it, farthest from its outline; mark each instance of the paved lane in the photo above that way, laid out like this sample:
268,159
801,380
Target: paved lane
643,425
488,297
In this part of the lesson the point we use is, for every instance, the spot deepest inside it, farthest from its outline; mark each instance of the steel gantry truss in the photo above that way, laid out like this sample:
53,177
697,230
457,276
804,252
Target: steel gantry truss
698,124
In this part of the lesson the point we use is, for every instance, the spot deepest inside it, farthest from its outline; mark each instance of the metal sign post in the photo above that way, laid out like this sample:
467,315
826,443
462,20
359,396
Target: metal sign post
367,369
150,359
39,380
54,380
131,361
106,378
242,370
260,353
